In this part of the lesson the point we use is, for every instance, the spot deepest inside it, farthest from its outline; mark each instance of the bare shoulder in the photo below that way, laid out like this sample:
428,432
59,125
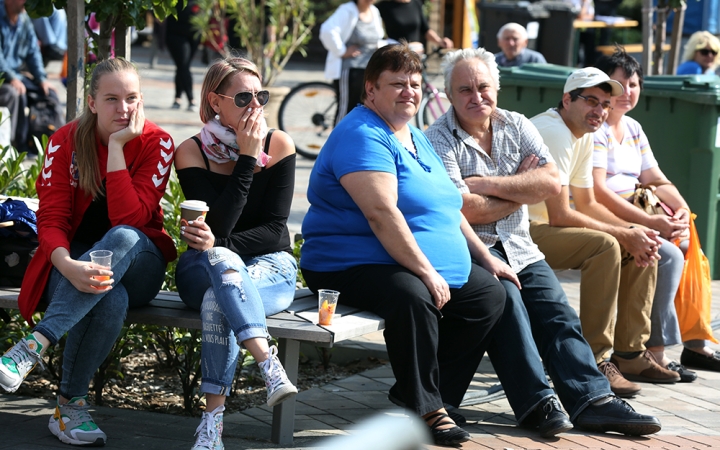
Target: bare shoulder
188,154
281,146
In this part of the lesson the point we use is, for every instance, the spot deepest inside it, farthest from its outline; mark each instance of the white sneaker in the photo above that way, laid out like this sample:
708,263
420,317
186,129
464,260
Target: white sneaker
73,425
17,362
279,388
209,432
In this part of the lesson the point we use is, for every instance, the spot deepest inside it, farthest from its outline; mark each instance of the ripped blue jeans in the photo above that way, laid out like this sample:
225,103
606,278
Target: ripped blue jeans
233,305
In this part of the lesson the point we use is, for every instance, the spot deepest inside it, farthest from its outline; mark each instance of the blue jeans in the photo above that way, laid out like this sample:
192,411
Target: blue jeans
539,323
94,321
233,305
665,329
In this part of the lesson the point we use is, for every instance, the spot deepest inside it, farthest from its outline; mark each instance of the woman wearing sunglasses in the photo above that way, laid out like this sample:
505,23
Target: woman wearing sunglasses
700,54
239,267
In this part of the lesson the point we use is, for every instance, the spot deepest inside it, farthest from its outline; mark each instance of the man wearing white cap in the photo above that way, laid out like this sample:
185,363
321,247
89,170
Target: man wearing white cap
574,231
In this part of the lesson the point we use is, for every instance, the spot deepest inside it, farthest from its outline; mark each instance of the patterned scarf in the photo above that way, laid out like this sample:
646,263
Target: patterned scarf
220,145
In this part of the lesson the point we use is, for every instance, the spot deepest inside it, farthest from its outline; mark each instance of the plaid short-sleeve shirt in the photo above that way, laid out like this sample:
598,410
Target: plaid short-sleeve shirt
514,139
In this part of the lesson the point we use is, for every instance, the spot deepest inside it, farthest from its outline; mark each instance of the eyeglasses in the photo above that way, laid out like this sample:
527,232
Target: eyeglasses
707,51
593,103
242,99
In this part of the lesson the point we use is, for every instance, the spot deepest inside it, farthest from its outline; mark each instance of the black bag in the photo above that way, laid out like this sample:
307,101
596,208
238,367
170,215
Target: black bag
15,255
46,115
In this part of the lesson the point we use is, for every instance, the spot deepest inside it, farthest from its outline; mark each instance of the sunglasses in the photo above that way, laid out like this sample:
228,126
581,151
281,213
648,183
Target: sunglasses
593,103
242,99
707,51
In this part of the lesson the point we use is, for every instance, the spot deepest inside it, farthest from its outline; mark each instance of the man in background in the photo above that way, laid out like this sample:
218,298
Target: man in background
513,40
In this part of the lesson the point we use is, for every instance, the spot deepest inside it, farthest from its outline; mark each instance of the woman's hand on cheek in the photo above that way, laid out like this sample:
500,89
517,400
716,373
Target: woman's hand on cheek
134,128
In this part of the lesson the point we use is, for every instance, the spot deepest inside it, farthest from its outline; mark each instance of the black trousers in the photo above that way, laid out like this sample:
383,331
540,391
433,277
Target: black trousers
182,49
350,87
19,120
433,353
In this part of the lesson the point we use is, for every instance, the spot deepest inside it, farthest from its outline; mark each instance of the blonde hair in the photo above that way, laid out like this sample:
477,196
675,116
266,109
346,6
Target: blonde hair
217,79
86,152
698,41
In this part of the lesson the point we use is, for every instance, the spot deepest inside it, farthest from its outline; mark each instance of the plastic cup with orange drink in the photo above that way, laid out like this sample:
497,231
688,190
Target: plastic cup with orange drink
102,258
327,302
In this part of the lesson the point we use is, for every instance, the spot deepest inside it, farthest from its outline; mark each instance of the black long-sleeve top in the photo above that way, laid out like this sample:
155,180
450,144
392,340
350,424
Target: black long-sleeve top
248,212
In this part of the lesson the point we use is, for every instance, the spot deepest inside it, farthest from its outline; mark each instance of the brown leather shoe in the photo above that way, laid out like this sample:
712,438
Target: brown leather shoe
644,368
618,384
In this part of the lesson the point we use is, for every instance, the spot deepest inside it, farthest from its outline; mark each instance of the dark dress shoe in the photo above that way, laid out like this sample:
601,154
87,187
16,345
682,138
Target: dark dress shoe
448,436
686,376
548,418
696,360
618,416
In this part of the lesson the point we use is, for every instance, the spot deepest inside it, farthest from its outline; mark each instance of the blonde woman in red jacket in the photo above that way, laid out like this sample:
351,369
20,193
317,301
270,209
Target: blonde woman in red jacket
100,189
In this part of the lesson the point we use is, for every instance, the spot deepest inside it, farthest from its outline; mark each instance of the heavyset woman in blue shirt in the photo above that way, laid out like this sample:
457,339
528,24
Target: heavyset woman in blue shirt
385,229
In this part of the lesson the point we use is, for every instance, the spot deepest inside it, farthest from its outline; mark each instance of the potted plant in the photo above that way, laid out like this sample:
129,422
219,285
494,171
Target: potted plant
269,32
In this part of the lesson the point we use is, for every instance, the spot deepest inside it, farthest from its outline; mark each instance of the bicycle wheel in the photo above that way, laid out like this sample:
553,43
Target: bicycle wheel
307,114
431,108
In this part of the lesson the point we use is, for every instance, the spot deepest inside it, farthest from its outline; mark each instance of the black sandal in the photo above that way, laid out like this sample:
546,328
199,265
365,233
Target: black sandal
448,436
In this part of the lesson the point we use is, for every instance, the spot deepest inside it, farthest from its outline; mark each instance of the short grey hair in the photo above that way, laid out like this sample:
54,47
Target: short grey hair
452,58
514,27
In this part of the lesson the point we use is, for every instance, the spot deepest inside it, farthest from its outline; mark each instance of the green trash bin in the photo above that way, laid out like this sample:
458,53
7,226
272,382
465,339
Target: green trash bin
532,88
681,117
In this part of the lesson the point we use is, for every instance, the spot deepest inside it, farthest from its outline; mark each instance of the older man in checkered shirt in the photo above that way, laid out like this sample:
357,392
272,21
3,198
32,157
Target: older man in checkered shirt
500,164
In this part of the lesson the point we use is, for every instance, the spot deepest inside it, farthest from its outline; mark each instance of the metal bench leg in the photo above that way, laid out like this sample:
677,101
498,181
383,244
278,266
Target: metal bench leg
283,423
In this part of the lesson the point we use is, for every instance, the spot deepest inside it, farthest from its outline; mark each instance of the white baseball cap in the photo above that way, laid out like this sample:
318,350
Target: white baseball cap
591,77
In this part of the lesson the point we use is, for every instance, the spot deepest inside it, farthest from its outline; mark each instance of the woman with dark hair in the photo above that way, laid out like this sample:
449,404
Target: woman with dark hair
350,35
385,229
239,266
100,189
623,158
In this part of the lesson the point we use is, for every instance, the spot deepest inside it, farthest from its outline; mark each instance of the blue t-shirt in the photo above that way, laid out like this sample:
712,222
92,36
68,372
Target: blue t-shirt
525,57
691,68
337,234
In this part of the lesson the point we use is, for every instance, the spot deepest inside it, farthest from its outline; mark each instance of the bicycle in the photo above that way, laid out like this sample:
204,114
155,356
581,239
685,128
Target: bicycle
308,112
432,98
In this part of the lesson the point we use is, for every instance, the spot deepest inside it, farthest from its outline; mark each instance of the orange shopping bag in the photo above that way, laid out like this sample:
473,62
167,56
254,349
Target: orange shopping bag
692,301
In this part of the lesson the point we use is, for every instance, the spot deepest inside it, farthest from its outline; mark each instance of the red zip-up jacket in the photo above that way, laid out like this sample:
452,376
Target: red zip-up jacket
133,197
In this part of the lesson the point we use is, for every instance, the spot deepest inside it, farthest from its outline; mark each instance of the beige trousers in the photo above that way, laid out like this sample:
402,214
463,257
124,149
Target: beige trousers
615,294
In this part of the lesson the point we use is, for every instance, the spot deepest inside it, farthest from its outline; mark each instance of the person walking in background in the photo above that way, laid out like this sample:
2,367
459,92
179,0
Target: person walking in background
239,266
513,40
100,189
350,35
621,159
182,42
404,19
699,54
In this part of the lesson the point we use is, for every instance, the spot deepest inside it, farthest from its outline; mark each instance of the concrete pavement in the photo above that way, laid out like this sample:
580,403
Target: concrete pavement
690,413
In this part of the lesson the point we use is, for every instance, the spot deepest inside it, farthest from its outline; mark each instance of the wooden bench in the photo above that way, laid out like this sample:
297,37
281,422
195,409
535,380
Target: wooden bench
297,324
629,48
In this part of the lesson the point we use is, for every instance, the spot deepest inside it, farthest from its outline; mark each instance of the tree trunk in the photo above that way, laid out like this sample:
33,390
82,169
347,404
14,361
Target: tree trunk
660,33
676,38
76,59
647,39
